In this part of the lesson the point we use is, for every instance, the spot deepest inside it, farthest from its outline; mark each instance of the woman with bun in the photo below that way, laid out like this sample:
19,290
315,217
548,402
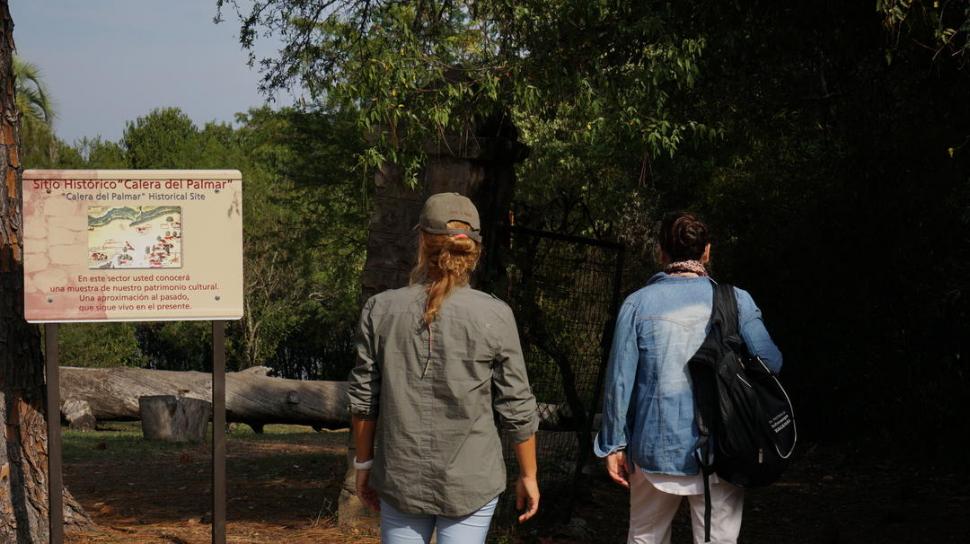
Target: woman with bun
648,434
435,361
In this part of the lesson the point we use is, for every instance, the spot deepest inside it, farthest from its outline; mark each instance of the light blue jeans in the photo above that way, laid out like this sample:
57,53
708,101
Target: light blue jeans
400,528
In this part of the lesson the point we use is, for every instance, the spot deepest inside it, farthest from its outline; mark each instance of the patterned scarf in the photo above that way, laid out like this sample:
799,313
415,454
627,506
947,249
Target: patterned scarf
686,267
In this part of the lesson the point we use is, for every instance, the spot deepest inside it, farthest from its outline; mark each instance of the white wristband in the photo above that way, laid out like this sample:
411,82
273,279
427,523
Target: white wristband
363,466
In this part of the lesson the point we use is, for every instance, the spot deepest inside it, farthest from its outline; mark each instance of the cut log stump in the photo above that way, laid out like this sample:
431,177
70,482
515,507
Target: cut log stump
78,414
174,419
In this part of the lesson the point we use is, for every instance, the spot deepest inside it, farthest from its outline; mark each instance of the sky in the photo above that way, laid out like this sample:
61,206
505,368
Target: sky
106,62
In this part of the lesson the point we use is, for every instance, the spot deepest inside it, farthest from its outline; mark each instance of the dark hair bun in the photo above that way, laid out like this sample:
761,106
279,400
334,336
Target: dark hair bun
683,236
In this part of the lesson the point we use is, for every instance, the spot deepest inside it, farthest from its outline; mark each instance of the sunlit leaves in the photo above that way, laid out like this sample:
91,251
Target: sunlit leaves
568,72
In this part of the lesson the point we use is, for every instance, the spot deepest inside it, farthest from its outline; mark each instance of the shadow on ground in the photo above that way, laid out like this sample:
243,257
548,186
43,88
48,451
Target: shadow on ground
283,487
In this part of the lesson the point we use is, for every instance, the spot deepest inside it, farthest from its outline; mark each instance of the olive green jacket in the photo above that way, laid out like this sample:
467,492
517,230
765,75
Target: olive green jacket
435,394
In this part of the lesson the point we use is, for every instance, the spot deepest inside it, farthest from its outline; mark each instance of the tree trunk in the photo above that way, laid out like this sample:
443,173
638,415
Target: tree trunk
174,419
251,396
485,172
23,457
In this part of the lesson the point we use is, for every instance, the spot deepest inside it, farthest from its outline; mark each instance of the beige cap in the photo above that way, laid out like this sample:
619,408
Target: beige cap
441,208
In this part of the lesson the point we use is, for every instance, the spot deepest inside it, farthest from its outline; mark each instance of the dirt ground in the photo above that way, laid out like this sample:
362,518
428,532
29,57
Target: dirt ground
283,487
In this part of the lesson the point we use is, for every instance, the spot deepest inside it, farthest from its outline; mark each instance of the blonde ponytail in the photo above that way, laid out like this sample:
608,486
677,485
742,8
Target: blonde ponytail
445,261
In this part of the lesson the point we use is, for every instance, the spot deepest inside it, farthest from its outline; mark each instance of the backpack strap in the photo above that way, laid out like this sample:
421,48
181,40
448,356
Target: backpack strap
702,367
724,325
707,506
726,308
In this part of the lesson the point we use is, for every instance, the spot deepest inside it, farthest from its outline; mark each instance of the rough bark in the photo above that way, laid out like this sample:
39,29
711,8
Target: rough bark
23,453
251,396
174,419
485,172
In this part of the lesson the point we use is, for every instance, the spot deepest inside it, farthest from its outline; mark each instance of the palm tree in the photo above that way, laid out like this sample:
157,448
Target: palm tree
37,111
33,99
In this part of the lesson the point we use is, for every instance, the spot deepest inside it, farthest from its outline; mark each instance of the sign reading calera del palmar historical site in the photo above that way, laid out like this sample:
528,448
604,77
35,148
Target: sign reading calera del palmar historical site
132,245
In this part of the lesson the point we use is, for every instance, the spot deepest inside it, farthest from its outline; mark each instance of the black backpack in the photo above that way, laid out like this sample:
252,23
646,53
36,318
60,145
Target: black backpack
743,414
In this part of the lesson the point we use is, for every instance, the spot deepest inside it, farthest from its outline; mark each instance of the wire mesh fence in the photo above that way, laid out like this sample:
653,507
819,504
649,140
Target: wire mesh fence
564,291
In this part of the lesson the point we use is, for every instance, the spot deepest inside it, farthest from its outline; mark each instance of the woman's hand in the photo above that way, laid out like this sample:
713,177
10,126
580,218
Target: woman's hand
527,497
365,492
617,468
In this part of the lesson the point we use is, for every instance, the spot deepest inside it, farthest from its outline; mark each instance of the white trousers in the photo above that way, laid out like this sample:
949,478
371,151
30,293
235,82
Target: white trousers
652,512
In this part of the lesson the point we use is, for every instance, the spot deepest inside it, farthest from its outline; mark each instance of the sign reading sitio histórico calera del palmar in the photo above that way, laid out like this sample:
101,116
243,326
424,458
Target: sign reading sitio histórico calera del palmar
132,245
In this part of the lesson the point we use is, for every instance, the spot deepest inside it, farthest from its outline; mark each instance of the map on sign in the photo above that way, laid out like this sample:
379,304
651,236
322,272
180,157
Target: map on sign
134,237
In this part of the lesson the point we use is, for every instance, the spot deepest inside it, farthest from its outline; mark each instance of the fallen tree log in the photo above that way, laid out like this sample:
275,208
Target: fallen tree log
252,397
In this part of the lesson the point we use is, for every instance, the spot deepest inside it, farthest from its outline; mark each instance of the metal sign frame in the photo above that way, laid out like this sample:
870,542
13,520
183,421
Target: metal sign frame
55,466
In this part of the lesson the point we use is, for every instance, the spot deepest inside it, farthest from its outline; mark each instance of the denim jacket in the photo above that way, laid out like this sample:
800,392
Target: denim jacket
648,405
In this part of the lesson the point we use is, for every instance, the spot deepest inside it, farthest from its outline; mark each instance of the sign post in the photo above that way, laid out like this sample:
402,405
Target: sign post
55,478
218,432
133,245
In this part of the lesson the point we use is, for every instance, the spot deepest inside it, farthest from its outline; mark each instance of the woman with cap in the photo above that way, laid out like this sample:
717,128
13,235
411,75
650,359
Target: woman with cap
435,361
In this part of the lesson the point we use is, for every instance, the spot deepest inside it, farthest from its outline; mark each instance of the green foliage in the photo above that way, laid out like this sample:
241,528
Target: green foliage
574,76
303,228
176,345
91,153
38,146
99,345
165,138
33,99
942,27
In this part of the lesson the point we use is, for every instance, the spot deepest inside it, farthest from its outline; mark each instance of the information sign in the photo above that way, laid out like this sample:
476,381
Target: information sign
132,245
